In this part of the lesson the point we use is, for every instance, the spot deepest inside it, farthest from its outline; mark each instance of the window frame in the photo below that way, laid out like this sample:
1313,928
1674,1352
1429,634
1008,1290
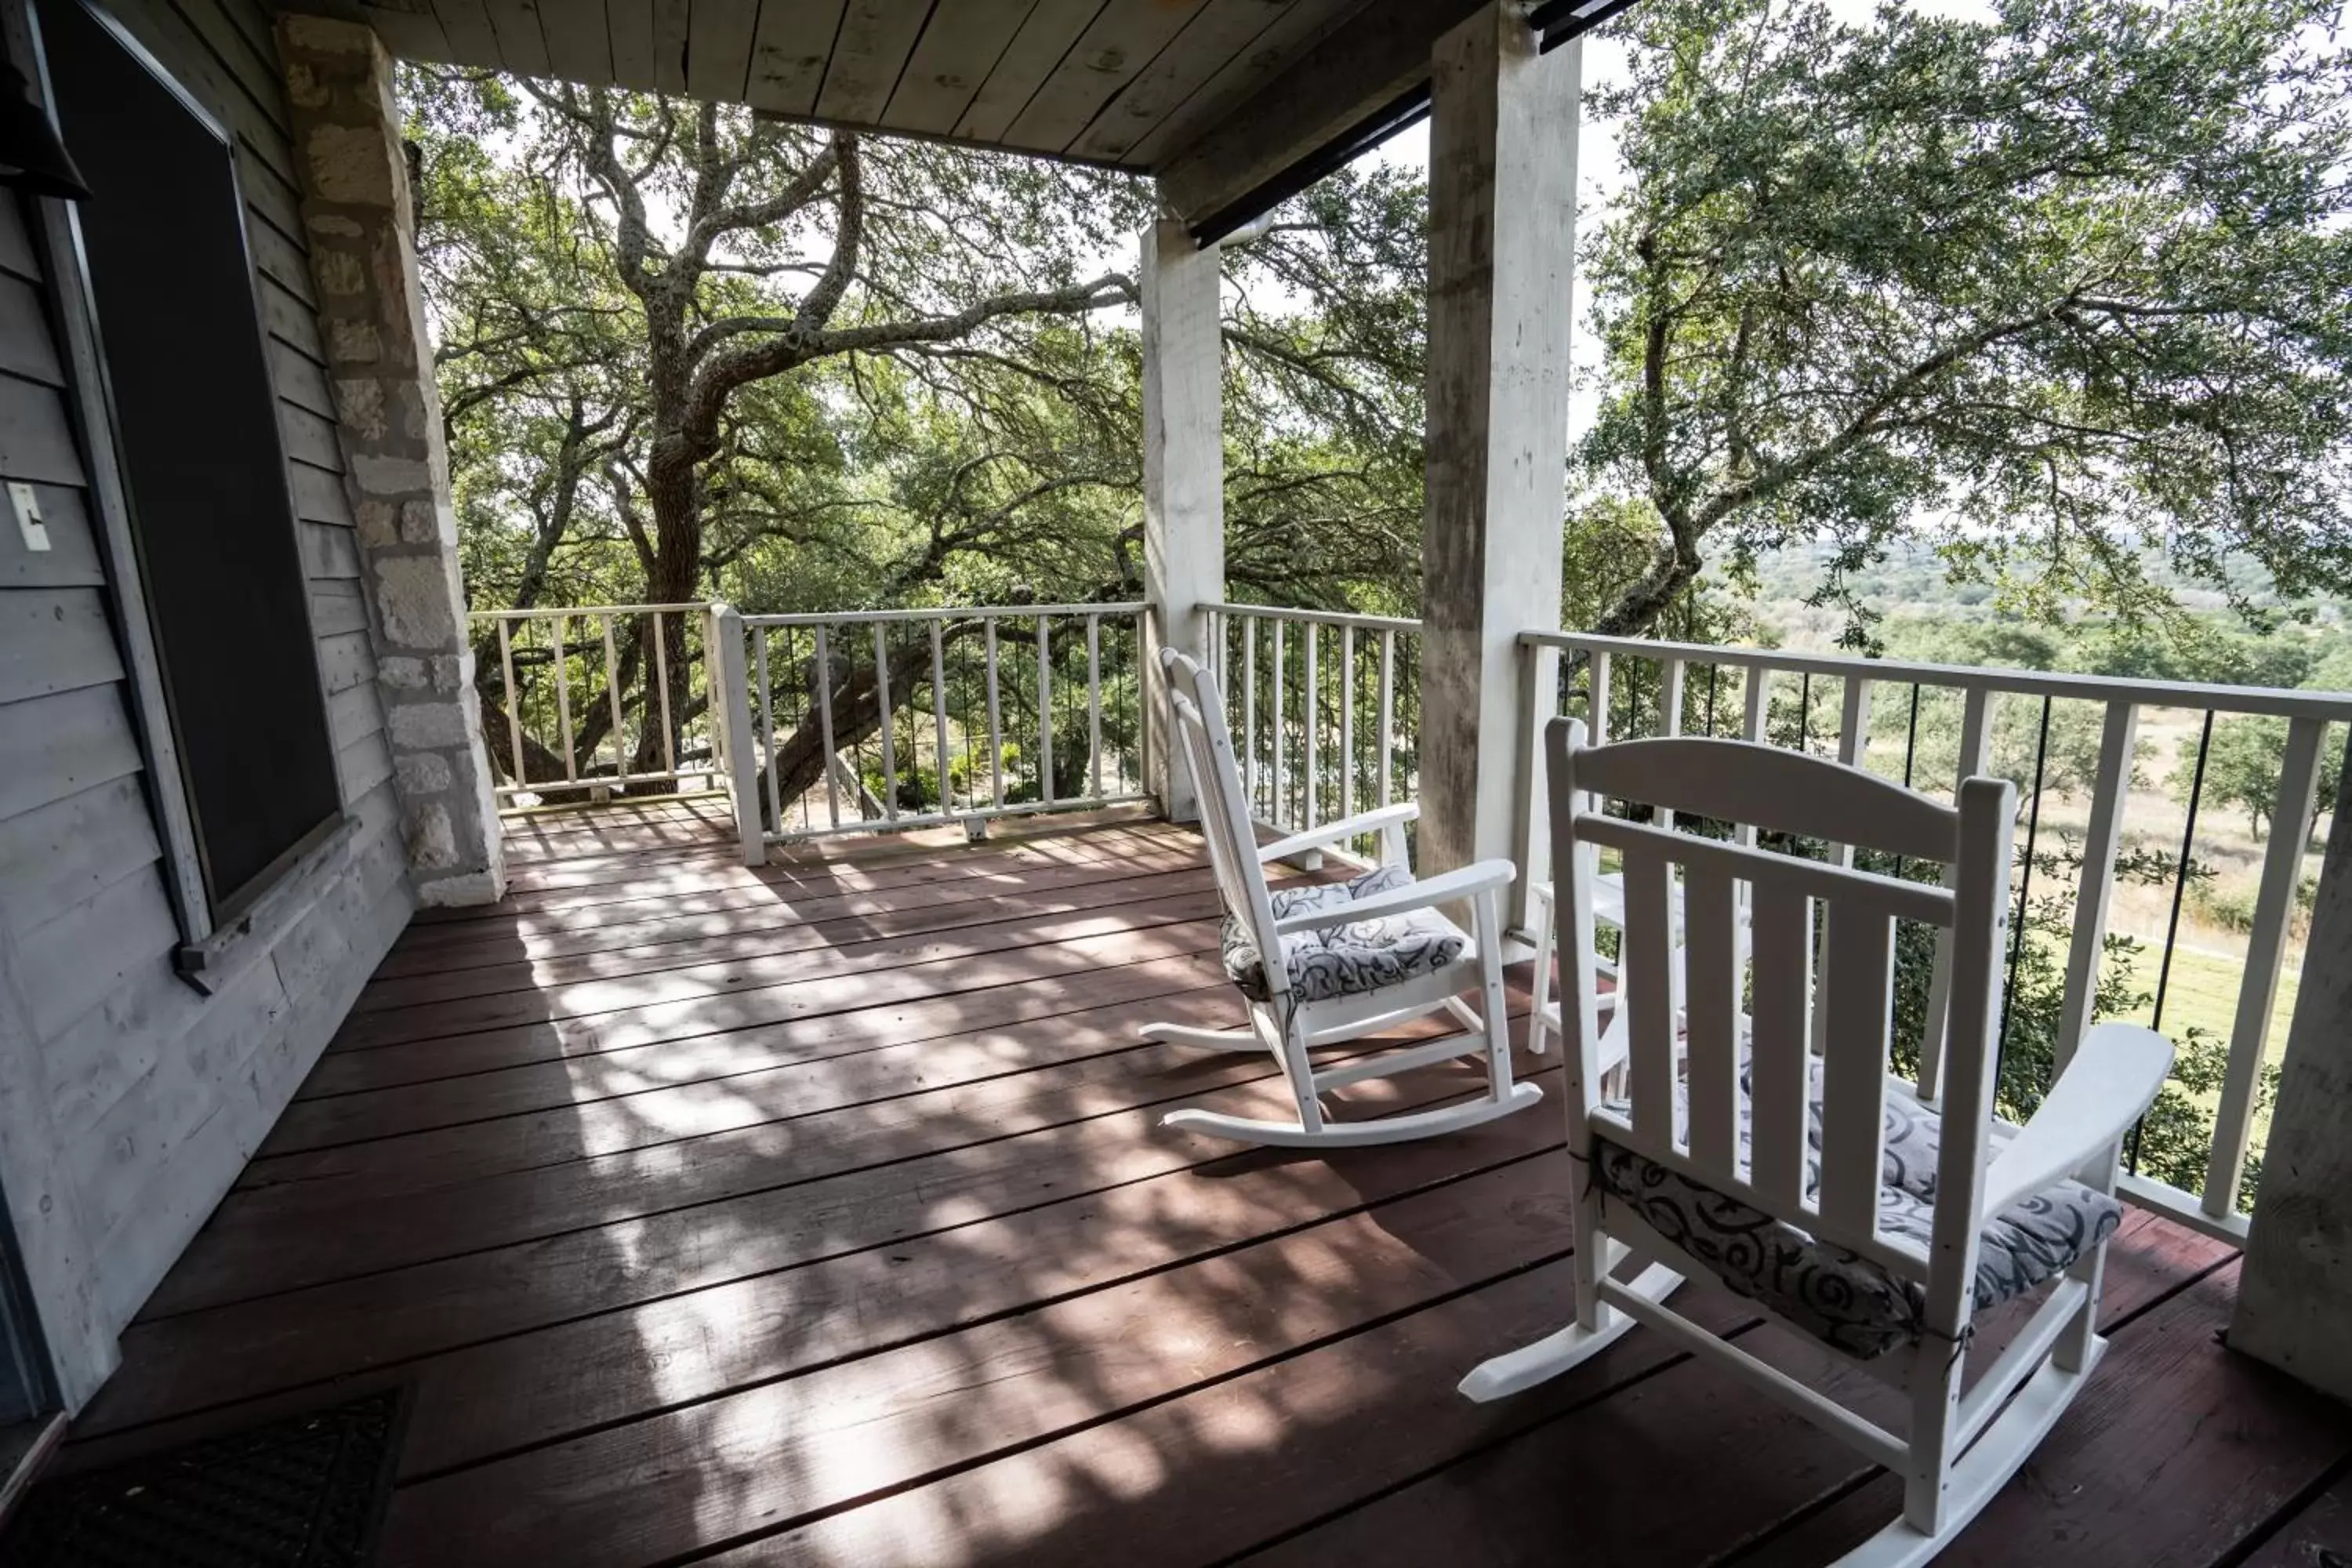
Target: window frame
210,934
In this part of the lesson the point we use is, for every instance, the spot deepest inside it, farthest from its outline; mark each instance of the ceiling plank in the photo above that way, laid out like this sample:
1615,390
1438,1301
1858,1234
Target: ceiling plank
629,38
579,43
1117,47
671,24
1026,62
718,49
1300,28
467,26
955,54
788,53
868,53
521,44
1218,32
1381,54
412,31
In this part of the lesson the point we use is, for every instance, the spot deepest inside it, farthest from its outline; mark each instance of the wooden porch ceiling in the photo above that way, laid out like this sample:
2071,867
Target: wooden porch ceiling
820,1214
1234,104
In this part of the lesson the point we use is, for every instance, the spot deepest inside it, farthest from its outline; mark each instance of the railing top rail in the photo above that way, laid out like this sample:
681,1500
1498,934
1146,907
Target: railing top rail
550,613
2263,699
944,612
1321,618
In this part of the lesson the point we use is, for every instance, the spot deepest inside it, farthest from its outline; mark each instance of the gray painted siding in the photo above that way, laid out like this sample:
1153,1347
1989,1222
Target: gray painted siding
128,1100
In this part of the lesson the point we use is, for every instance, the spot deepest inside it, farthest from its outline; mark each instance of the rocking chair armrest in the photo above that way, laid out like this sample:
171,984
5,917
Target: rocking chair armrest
1459,884
2110,1083
1330,833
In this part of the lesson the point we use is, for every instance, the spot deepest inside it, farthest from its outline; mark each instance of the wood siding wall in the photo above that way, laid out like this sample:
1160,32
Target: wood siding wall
131,1100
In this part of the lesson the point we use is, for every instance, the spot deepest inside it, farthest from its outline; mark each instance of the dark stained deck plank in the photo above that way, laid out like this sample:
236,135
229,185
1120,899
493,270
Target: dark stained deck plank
1190,898
854,992
252,1250
535,954
641,1492
706,1086
2316,1533
853,1239
1739,1465
724,887
1042,900
351,1324
585,1374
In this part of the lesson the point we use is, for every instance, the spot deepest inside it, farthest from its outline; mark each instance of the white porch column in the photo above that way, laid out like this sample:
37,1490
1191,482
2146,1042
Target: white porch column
1502,232
1183,478
2295,1297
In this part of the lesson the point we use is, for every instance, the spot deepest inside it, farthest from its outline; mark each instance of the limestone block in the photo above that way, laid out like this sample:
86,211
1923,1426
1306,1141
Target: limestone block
422,772
391,476
416,601
432,841
426,726
376,527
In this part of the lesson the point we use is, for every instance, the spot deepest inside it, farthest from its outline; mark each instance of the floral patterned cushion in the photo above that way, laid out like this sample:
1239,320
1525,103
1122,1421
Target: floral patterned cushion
1847,1302
1344,960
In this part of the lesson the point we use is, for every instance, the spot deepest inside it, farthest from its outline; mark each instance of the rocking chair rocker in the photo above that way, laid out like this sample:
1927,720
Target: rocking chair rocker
1339,960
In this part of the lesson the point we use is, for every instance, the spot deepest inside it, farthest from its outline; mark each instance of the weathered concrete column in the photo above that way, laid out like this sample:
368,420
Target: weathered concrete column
2295,1297
1502,233
357,215
1183,477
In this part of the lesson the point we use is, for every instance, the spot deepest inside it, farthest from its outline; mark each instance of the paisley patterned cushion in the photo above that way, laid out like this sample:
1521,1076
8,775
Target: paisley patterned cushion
1345,960
1847,1302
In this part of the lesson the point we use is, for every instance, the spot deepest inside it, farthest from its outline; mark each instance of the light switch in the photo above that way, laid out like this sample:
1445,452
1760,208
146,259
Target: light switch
28,508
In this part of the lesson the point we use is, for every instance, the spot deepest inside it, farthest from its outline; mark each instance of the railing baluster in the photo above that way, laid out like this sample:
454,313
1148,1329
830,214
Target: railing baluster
1387,713
661,691
1346,722
824,726
1094,702
514,723
613,696
2296,806
889,728
1312,683
1045,713
1670,713
768,730
2095,887
1249,710
995,723
1976,728
941,802
1275,805
1142,732
563,699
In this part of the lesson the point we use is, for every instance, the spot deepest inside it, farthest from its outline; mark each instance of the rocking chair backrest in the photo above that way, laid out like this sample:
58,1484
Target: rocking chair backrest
1741,782
1208,747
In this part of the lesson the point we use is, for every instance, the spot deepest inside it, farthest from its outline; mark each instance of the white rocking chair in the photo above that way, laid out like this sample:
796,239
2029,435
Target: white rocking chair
1813,1184
1339,960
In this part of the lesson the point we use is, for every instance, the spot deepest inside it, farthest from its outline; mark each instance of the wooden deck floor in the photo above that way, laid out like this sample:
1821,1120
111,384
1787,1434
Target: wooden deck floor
819,1215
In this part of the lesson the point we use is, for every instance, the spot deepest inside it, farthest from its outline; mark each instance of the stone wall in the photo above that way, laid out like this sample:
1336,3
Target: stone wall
357,211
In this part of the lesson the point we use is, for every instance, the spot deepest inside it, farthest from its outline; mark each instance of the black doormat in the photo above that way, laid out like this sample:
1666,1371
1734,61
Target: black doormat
305,1493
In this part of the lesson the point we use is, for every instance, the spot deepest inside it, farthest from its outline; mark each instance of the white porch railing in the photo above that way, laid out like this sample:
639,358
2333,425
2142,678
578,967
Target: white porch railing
900,718
1325,708
1630,687
573,690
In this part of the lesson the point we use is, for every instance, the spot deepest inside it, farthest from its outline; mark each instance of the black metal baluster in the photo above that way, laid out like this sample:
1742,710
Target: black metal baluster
2025,879
2180,892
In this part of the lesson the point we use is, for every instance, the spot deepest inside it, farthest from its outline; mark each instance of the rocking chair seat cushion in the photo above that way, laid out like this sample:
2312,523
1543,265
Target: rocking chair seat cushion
1849,1302
1345,960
